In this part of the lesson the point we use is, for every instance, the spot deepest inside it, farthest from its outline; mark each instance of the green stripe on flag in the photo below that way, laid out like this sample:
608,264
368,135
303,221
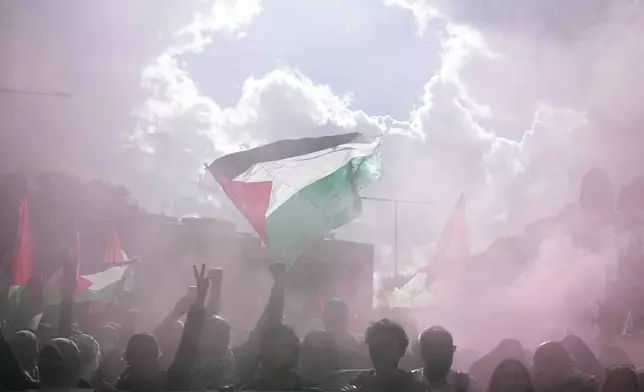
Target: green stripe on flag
321,207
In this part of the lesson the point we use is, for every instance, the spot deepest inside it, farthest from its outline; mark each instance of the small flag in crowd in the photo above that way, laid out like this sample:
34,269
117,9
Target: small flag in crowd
100,287
293,192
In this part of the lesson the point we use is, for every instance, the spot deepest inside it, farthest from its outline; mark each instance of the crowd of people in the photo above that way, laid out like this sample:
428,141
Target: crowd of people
196,355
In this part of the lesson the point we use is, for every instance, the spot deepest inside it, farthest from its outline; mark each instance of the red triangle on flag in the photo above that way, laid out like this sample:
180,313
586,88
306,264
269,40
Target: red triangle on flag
252,199
82,285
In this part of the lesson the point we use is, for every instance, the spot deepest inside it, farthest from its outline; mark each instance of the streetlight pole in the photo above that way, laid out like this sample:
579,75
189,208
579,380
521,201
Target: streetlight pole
395,203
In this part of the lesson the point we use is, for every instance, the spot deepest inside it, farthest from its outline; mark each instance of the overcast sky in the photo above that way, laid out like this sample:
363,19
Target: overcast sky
508,101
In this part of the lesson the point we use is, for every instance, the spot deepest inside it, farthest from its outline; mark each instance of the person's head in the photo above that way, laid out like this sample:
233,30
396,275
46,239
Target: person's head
279,349
621,379
552,365
59,364
552,355
319,355
511,376
215,335
336,315
24,345
107,338
387,343
89,355
437,350
142,353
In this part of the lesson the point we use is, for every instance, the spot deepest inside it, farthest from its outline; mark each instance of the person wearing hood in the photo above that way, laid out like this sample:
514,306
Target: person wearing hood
24,345
511,376
59,364
483,369
584,358
553,367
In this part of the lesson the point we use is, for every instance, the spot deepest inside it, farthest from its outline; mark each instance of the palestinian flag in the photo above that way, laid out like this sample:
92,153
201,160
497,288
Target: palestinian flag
294,192
100,287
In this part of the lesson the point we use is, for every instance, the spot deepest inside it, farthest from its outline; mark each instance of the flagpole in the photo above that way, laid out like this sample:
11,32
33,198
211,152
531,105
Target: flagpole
396,202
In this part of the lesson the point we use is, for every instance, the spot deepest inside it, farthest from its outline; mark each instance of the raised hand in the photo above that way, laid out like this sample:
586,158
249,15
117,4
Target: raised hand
202,281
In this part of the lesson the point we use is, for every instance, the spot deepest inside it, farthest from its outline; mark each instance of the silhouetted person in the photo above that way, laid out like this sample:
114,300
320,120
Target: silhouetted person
621,379
89,357
143,368
169,331
511,376
278,359
482,369
437,350
112,357
387,342
247,356
584,358
144,371
215,366
319,358
12,376
59,364
336,319
108,338
553,368
24,345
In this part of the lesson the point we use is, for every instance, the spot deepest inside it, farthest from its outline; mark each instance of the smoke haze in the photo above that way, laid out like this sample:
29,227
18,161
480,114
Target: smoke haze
508,101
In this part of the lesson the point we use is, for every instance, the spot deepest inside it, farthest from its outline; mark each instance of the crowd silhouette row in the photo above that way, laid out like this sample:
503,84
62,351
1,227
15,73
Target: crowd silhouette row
196,355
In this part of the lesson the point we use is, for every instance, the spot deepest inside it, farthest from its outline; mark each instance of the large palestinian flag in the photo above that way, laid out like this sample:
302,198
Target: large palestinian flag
293,192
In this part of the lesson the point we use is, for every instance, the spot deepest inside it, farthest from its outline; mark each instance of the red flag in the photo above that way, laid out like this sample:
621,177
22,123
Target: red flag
113,252
23,264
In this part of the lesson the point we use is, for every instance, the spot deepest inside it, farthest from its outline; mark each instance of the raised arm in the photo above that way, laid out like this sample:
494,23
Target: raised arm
178,375
181,308
247,355
274,310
